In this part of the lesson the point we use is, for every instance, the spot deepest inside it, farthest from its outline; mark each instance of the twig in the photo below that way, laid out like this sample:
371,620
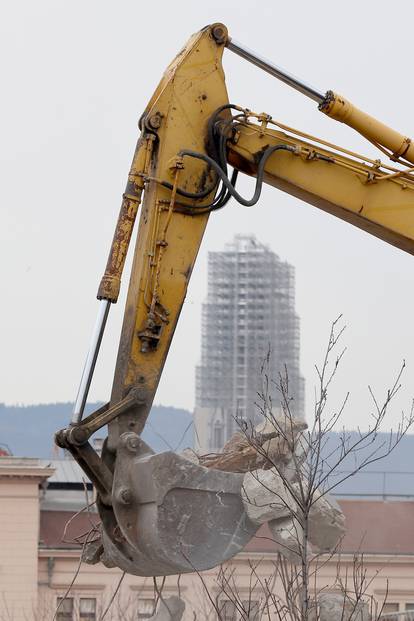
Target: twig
118,586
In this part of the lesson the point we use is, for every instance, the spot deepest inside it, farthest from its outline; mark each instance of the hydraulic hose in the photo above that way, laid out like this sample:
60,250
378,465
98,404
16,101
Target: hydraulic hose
225,180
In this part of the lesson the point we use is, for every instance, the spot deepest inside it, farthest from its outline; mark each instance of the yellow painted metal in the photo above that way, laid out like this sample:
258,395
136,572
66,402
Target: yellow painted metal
192,88
340,109
364,195
111,280
376,198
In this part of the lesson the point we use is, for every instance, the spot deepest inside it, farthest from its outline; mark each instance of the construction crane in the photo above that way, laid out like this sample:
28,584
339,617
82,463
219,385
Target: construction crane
162,514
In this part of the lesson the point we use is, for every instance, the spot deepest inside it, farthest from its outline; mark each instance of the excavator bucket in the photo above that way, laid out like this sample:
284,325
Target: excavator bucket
169,515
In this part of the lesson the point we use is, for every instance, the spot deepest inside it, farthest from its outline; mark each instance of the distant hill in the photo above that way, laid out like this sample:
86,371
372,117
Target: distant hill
28,431
391,476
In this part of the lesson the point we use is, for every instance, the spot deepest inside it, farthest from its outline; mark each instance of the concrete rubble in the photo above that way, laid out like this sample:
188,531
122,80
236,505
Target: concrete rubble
269,445
269,495
265,497
92,551
169,609
280,435
326,523
271,460
287,534
339,607
191,455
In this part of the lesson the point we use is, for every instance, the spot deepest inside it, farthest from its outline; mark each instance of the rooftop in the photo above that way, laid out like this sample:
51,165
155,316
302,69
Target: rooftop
24,467
65,471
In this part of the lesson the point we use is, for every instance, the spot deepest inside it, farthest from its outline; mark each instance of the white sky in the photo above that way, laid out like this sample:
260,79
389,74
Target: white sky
75,78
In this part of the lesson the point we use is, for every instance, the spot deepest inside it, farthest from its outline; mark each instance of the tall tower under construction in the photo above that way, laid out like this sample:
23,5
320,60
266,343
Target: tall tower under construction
249,330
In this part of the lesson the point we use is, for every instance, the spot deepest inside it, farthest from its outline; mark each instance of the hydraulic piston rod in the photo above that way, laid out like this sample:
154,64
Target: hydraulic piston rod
104,306
335,106
109,287
275,71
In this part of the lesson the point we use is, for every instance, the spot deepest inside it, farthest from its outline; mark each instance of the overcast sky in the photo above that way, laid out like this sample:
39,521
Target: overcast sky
75,78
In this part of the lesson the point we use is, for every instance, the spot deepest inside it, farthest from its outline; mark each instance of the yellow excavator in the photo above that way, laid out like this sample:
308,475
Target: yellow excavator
162,514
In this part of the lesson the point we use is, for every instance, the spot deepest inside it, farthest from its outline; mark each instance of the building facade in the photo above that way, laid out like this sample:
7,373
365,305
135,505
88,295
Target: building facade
250,335
42,577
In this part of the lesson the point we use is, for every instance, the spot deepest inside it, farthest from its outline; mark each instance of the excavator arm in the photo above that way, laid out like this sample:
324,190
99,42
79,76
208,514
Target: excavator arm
374,198
155,509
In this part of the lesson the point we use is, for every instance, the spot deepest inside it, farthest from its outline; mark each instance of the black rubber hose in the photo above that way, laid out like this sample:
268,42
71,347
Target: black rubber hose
217,150
225,180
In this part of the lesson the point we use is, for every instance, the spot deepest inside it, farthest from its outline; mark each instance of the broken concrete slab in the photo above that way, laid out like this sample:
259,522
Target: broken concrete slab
265,497
93,551
287,534
282,425
326,522
338,607
280,440
269,445
169,609
191,455
291,470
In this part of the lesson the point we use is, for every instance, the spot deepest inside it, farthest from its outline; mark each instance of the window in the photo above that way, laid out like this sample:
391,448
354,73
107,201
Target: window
87,609
85,605
251,609
145,608
390,607
218,438
409,606
228,610
64,609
